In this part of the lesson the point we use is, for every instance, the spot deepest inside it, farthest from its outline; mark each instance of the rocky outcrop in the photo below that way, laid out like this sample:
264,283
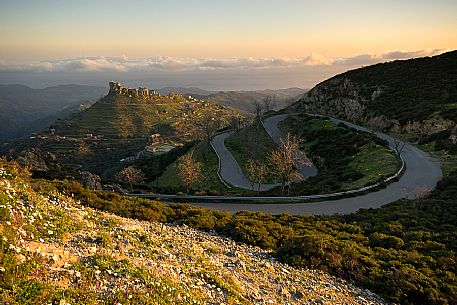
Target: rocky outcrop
91,181
32,160
338,97
413,90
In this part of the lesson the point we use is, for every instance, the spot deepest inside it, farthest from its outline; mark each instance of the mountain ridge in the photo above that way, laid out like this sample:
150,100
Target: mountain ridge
403,90
24,109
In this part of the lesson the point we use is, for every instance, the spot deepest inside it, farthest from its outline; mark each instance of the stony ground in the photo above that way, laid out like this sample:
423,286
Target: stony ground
55,251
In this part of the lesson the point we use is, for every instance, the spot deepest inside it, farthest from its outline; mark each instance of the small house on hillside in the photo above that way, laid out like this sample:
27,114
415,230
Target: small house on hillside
155,137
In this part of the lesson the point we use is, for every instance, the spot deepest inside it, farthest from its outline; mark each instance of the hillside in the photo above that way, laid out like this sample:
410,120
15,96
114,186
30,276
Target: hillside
242,100
24,110
413,90
60,252
117,129
414,99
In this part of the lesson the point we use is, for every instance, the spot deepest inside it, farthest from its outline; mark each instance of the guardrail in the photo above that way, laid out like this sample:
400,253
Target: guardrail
275,198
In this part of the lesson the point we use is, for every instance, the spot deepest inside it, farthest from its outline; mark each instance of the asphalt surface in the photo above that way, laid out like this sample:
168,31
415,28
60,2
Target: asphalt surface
421,170
231,172
271,126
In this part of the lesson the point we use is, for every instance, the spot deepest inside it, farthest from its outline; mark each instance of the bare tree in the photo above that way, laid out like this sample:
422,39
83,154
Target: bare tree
267,103
208,125
399,145
286,159
257,173
378,123
189,170
422,192
130,175
257,108
274,101
235,123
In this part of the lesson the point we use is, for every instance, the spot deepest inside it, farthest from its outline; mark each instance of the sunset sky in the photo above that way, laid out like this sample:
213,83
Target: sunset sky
182,41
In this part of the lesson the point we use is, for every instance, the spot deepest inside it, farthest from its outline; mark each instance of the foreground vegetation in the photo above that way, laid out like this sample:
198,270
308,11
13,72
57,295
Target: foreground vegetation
53,250
405,251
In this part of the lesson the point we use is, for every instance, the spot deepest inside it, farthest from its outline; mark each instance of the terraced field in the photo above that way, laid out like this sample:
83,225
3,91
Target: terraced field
118,127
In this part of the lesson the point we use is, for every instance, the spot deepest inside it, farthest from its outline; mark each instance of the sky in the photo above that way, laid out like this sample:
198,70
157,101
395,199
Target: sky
250,44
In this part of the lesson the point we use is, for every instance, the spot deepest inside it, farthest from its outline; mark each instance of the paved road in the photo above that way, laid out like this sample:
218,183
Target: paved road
271,126
231,172
421,170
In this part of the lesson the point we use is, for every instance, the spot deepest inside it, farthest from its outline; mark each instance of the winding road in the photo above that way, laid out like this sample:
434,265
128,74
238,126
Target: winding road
421,170
231,172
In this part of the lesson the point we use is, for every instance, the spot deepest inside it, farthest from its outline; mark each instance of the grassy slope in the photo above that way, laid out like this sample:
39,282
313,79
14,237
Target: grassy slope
374,163
121,116
120,127
123,124
368,162
404,250
203,153
62,252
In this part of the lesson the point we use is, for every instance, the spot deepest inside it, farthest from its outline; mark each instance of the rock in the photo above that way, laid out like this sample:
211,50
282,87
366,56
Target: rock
33,160
91,181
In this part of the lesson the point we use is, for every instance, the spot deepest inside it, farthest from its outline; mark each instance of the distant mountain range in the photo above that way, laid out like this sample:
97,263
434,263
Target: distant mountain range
24,110
242,100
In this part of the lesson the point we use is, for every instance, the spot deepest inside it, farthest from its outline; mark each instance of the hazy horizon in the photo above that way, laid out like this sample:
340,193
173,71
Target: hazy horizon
213,45
208,74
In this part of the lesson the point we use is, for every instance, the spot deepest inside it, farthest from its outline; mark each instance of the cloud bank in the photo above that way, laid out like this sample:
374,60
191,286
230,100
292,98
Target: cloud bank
163,63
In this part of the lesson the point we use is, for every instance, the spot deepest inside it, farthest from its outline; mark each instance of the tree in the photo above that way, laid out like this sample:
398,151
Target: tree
189,170
267,103
286,158
130,175
422,192
378,123
399,144
209,125
257,108
257,172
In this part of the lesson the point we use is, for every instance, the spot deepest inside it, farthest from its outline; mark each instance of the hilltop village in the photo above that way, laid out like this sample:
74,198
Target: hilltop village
128,124
118,88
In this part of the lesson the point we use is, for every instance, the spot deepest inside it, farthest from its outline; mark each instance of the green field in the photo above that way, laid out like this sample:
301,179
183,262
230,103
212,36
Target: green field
346,159
210,182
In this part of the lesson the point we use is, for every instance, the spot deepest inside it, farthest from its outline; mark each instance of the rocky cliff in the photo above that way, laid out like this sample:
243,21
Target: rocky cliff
404,91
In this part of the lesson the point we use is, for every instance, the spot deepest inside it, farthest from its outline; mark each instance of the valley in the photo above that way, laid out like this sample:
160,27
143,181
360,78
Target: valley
337,198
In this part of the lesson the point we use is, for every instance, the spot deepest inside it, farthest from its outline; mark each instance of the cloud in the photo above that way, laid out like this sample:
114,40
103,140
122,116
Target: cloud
369,59
164,63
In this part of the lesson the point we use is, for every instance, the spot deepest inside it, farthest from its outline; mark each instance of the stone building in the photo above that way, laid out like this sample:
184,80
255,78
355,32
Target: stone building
115,87
118,88
133,92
